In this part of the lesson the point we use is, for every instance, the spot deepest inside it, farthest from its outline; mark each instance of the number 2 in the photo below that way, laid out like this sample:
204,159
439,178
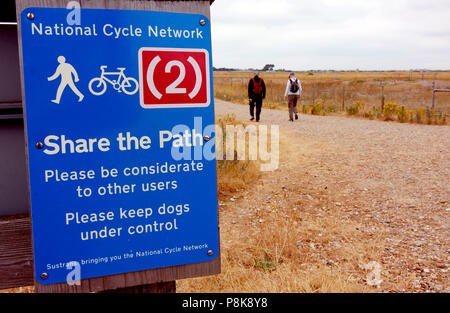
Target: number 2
173,87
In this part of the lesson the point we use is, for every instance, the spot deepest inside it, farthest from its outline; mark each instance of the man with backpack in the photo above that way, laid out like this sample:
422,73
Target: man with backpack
256,94
293,92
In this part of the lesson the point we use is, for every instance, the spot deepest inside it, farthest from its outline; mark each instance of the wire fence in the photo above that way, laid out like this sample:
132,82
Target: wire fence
335,96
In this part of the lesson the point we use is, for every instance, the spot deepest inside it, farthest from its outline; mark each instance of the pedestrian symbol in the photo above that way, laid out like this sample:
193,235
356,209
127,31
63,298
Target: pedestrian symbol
65,70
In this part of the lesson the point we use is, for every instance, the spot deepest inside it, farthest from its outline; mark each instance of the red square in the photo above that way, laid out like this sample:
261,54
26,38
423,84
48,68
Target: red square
174,77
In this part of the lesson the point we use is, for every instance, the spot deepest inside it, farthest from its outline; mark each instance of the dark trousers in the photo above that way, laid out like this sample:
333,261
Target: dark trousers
292,106
256,102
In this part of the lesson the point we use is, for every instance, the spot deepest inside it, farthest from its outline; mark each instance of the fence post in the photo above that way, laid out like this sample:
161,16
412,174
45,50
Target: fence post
433,96
314,94
382,97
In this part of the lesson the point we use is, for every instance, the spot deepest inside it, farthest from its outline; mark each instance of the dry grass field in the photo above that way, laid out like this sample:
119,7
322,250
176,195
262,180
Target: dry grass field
407,95
268,241
350,196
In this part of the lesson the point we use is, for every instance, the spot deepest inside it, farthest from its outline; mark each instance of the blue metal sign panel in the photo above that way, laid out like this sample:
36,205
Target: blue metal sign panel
119,112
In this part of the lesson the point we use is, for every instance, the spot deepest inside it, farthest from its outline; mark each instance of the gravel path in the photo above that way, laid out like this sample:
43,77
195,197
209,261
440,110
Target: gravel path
389,176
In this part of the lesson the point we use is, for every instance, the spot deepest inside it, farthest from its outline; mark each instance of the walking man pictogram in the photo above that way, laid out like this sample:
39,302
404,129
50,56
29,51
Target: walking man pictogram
65,70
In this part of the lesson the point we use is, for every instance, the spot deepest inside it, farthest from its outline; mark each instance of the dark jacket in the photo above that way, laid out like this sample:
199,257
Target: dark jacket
251,95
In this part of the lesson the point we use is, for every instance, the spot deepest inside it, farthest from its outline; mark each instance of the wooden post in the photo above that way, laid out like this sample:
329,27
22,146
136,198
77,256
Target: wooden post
382,97
433,96
15,238
162,287
314,94
16,253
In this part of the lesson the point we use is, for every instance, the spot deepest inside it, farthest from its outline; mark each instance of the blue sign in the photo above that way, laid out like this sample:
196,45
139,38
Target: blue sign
120,133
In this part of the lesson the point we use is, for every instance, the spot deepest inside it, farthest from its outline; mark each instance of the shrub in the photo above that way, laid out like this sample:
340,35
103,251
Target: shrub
331,109
429,115
305,109
390,109
401,114
316,108
411,115
369,114
354,109
421,115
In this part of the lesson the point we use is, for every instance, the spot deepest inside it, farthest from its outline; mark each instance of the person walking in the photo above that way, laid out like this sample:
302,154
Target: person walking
65,70
293,92
256,95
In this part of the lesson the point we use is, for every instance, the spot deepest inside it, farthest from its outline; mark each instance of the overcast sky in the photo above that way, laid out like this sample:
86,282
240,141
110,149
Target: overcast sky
331,34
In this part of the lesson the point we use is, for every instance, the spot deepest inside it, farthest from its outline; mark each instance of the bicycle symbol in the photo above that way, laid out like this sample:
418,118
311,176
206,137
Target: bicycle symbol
128,85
